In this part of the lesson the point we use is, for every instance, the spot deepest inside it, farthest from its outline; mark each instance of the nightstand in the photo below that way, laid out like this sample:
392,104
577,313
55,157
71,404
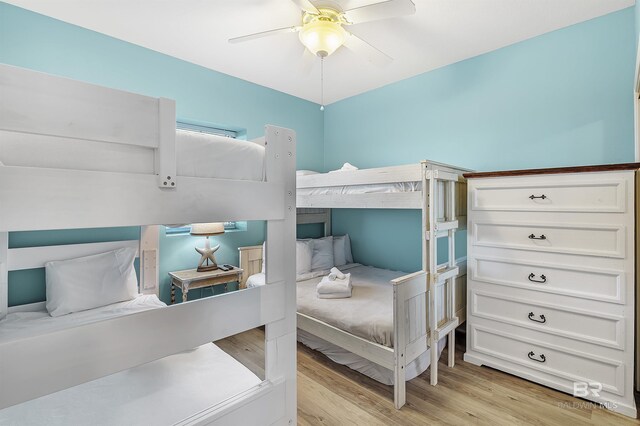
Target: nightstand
191,279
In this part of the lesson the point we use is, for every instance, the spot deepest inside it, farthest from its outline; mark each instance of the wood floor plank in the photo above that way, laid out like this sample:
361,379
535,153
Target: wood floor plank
332,394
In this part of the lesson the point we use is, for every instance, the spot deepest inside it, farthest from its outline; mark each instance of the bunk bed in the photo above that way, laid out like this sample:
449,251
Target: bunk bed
414,311
116,362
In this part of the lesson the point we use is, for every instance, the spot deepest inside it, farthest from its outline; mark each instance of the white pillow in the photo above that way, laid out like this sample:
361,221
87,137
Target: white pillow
347,249
304,254
339,256
342,250
305,172
322,258
90,282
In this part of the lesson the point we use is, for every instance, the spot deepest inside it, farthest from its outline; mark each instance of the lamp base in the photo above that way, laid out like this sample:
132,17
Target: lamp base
206,268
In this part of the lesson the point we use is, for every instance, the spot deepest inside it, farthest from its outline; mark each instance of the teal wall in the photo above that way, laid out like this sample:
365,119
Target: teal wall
41,43
563,98
637,15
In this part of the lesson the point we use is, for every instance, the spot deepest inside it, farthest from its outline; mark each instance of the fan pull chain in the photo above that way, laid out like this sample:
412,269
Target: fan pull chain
322,83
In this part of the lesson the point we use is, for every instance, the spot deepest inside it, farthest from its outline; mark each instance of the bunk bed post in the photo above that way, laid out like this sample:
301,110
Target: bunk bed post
400,344
4,274
165,157
451,282
280,336
432,260
149,259
327,223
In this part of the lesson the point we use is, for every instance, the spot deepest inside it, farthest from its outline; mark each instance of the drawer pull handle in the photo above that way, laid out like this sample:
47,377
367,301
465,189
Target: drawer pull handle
542,280
542,197
532,355
542,319
541,237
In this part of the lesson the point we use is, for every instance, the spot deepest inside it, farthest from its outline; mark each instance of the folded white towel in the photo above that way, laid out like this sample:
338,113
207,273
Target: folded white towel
339,295
336,273
327,286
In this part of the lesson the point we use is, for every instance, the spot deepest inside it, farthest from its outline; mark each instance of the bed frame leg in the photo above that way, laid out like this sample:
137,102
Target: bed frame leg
434,362
400,386
452,348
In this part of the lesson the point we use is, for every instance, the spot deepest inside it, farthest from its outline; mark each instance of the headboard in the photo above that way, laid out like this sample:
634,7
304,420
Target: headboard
310,215
251,256
250,262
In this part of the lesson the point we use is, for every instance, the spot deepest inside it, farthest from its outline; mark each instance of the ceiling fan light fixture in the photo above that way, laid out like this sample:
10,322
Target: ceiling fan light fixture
322,36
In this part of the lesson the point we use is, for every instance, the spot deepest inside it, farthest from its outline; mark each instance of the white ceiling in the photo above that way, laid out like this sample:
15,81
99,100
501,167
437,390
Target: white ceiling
440,33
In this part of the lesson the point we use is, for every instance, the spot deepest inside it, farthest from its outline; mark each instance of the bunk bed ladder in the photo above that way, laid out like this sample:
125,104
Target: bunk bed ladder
450,295
443,276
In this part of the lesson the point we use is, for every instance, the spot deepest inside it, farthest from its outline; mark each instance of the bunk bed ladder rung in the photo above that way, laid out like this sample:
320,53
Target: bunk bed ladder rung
447,328
447,273
446,225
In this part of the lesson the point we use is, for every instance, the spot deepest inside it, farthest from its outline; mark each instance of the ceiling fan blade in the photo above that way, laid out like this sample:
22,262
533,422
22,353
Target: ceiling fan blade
381,10
307,6
362,48
261,34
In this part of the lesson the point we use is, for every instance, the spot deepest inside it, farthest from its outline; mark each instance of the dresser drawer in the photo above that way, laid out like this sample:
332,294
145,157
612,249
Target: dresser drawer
597,328
607,285
552,359
588,193
572,238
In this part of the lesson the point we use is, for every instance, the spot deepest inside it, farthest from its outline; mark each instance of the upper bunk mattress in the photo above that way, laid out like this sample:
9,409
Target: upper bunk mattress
197,155
379,188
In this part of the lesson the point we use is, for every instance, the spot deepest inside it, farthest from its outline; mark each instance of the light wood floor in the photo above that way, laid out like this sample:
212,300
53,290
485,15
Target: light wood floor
331,394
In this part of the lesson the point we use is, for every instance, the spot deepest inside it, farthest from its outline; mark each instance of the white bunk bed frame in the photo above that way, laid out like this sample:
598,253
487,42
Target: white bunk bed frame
33,198
418,321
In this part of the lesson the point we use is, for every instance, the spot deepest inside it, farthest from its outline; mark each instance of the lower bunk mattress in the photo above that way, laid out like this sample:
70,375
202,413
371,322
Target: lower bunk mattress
368,314
165,391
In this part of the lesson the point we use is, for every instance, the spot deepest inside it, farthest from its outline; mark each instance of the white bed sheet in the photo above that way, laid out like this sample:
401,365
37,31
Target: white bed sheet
30,324
161,392
355,317
363,365
164,391
380,188
368,313
197,155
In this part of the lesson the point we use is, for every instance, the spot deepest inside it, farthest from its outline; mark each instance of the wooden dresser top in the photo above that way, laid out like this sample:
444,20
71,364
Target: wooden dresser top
556,170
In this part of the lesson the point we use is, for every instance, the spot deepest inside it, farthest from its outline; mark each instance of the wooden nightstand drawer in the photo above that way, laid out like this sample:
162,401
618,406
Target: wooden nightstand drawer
191,279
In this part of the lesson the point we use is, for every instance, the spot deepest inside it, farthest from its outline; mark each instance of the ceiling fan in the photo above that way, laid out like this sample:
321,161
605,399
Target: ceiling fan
322,28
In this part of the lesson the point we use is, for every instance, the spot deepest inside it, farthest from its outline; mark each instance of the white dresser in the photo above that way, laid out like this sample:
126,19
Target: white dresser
551,278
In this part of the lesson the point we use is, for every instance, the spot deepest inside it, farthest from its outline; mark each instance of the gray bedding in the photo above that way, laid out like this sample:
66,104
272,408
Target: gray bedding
367,314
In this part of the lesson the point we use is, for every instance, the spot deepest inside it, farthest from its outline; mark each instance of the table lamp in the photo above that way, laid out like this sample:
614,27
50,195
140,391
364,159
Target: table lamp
207,259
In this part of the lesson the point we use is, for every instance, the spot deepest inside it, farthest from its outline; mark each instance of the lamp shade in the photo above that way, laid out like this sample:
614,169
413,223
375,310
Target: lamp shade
206,229
322,37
